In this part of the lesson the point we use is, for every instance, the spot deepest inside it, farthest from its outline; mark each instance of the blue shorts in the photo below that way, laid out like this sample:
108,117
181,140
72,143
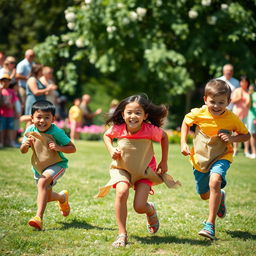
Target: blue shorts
55,171
7,123
202,179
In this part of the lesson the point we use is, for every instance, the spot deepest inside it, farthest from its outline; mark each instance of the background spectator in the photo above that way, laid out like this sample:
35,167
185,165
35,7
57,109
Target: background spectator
2,58
23,72
7,112
75,118
47,80
35,90
112,107
228,71
88,114
252,120
9,67
18,111
241,100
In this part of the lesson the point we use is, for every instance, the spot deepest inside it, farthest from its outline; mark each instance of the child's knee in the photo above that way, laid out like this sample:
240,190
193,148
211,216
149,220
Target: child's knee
139,207
215,181
44,182
122,192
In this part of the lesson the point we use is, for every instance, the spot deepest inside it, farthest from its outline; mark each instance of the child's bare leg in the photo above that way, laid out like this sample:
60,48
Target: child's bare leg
122,193
53,196
142,206
215,196
246,146
42,193
140,199
253,143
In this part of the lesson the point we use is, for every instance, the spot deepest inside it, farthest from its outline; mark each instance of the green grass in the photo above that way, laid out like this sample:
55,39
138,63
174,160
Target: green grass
90,229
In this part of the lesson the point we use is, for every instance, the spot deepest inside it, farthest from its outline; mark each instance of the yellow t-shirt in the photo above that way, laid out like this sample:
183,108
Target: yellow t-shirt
210,125
75,114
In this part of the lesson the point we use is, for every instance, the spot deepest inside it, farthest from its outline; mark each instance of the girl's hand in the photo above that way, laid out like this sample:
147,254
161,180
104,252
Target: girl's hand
52,145
225,137
116,154
162,168
185,149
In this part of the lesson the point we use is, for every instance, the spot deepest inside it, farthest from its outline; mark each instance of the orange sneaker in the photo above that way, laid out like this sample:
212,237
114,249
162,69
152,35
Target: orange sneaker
36,222
64,207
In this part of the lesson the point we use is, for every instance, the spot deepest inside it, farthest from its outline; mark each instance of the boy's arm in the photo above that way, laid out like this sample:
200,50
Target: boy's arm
234,138
25,146
163,167
114,152
183,139
69,148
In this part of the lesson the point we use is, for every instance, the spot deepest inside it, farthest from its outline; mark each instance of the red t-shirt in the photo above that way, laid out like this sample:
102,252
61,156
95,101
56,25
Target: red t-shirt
9,99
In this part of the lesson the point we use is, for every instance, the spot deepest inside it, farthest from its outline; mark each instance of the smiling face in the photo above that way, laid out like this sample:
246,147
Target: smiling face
134,115
216,104
42,120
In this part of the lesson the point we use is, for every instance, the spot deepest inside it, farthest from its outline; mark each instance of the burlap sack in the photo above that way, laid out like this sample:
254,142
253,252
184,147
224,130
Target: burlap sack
136,154
42,156
207,150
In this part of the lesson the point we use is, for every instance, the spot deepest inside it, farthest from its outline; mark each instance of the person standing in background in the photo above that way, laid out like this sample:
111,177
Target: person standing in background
241,100
47,80
228,71
9,67
251,121
75,116
88,114
23,71
2,58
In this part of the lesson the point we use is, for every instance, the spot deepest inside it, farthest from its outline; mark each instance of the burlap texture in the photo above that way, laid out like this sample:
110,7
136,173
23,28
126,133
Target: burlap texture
207,150
42,156
136,154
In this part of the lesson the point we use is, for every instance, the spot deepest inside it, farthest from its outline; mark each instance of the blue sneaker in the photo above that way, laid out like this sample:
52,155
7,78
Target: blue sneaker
222,208
208,231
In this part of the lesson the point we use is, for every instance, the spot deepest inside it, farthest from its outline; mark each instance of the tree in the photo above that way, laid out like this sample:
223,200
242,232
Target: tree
164,48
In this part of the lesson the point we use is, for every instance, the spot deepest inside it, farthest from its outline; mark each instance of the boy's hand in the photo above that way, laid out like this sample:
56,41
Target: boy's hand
162,167
185,149
116,154
226,137
52,145
29,141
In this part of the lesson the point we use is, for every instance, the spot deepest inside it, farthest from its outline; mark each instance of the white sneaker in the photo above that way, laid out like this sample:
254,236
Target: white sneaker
253,156
248,155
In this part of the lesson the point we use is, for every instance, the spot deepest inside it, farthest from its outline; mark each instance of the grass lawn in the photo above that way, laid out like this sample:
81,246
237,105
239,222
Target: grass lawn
90,228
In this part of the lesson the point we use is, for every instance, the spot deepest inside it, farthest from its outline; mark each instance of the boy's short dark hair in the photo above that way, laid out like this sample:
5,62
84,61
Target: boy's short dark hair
43,105
217,87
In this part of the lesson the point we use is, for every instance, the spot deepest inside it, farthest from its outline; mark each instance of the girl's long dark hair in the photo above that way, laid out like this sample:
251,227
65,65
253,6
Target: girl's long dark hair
156,113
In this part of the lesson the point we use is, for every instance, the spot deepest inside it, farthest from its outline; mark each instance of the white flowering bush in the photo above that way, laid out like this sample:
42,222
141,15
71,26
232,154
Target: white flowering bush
160,47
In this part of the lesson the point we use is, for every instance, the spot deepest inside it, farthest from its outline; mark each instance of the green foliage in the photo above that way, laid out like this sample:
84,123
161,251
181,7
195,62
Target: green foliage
163,48
91,136
25,23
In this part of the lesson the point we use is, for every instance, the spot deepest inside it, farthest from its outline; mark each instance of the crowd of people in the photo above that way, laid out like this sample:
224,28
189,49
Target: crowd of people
27,82
24,84
243,104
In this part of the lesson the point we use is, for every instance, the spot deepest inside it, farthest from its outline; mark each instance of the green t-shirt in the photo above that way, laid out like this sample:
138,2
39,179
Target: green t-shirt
60,137
252,111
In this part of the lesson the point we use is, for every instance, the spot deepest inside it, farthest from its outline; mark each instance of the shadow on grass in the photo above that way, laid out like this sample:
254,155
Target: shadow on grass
79,224
242,235
171,239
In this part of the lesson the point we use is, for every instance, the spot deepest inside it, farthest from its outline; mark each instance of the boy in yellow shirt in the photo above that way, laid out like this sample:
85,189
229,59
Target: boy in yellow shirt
212,151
